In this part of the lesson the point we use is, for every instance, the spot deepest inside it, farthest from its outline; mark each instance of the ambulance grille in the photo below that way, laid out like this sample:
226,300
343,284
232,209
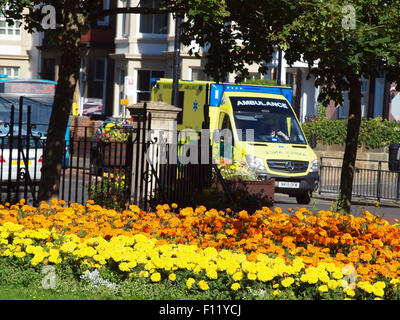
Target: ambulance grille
287,166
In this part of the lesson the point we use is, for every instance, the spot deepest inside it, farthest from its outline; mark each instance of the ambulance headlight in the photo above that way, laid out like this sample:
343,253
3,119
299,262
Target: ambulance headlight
255,163
314,166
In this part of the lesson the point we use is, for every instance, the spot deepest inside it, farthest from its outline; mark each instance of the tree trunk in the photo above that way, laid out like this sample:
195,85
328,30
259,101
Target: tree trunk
67,79
350,153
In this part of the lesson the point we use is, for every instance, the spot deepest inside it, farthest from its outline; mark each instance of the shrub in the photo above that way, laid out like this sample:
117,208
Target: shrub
374,133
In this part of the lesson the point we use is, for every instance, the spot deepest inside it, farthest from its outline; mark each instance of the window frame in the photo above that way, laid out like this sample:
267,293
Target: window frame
103,80
13,27
152,34
12,68
105,22
140,91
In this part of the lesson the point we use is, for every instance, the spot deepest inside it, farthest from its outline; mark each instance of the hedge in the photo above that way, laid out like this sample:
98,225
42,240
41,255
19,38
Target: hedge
374,133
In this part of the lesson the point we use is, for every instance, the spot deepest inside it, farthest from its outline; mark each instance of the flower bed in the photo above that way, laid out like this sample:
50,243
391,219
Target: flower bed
268,254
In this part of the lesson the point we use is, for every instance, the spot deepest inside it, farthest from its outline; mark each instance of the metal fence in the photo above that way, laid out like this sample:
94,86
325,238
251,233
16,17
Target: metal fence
21,151
138,171
372,179
110,173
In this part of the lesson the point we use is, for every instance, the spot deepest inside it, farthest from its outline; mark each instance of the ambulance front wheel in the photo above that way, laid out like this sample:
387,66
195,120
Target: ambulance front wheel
303,198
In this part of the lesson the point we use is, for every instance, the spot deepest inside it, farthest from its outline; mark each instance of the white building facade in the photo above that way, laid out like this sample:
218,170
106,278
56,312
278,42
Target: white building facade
145,49
19,57
305,94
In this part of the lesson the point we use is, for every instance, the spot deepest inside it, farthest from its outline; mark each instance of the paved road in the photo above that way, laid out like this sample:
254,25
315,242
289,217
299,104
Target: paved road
390,210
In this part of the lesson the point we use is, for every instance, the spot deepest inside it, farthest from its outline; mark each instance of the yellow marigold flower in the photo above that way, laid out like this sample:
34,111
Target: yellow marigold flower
174,205
37,259
379,285
155,277
378,292
287,282
172,277
312,279
20,254
350,292
190,282
337,275
211,273
251,276
237,276
332,284
323,288
44,206
203,285
143,274
123,266
235,286
323,277
4,234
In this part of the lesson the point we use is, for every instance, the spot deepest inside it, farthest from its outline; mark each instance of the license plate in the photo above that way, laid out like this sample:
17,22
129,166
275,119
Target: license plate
21,163
287,184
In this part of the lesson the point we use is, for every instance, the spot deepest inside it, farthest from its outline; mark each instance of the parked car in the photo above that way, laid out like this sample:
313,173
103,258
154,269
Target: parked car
29,152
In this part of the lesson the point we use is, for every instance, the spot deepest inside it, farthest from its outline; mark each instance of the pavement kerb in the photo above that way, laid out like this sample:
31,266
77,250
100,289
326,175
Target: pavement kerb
357,201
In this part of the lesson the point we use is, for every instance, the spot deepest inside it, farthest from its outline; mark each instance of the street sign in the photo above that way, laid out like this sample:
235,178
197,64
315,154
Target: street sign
395,107
124,102
129,86
92,106
75,109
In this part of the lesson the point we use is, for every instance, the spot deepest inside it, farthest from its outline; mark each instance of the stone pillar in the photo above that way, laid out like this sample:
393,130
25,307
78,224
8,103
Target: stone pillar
161,117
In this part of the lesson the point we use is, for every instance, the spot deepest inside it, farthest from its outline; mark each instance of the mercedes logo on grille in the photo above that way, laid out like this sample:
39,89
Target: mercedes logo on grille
289,165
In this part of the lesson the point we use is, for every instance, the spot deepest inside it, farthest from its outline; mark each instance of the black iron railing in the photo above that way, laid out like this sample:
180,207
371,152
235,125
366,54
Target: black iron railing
372,179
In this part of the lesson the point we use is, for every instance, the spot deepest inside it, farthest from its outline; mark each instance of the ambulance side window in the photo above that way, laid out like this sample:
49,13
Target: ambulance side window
225,122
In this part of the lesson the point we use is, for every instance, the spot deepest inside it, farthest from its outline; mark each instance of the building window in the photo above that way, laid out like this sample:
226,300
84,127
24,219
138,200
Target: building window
100,70
48,69
11,72
199,75
104,22
125,20
144,83
153,23
10,31
344,107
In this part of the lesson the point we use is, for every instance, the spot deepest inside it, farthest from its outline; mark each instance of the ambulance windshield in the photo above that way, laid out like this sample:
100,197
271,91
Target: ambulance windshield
266,120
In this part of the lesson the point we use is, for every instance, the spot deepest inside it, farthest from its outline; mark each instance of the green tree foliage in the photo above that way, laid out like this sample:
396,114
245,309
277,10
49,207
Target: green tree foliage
339,42
72,17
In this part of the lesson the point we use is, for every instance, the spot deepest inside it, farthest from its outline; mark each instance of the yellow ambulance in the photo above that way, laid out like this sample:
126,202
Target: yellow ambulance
265,132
